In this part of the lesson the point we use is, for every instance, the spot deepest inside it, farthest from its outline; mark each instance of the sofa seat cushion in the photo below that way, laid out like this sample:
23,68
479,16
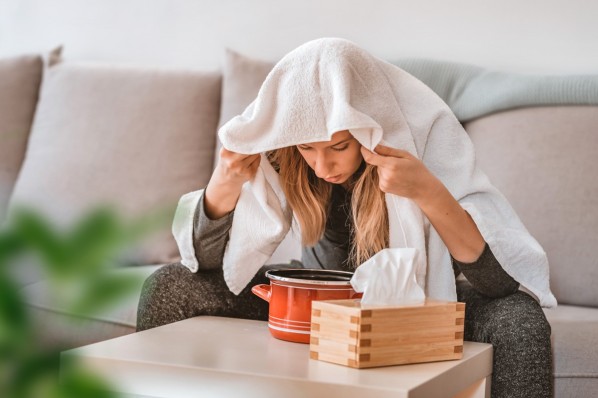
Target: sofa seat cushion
66,330
575,348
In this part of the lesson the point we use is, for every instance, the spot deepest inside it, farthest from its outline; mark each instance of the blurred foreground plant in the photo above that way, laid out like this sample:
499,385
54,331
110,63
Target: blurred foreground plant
76,265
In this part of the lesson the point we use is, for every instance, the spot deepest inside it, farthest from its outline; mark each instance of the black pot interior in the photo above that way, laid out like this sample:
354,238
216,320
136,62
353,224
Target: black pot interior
312,275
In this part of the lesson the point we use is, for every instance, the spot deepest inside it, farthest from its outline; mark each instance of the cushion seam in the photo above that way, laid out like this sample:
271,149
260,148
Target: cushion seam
63,312
576,375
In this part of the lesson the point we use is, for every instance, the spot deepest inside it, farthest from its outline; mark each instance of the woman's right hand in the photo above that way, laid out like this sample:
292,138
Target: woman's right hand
234,169
224,188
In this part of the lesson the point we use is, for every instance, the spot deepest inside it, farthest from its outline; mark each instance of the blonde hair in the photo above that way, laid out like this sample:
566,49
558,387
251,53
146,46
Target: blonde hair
309,198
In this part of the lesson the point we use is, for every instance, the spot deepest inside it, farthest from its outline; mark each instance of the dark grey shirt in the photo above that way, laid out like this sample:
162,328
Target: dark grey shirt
331,252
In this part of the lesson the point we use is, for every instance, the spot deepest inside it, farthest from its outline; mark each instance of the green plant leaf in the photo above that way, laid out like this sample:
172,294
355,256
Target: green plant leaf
14,322
10,246
38,234
95,240
105,290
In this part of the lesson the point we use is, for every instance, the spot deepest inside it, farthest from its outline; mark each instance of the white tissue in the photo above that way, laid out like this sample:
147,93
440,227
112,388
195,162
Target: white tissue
388,277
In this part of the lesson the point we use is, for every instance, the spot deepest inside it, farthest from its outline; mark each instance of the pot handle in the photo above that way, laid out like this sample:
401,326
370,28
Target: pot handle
262,291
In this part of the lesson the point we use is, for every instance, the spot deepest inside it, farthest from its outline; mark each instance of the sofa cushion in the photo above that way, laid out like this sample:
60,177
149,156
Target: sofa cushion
20,78
575,348
543,160
131,138
64,329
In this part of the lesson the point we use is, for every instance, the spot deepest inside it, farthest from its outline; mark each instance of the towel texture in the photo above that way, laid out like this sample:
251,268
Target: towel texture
329,85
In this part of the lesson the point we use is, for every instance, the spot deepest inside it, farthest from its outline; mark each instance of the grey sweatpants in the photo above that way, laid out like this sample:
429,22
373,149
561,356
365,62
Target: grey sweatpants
515,325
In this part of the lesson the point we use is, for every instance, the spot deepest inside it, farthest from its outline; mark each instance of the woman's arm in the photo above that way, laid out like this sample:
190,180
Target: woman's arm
210,237
455,226
213,216
402,174
487,276
224,187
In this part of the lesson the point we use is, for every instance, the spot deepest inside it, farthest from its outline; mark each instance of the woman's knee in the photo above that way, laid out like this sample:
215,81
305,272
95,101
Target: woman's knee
174,293
163,296
164,280
520,334
516,320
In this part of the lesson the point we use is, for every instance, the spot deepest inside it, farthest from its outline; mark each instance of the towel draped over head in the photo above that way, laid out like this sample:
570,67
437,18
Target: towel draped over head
329,85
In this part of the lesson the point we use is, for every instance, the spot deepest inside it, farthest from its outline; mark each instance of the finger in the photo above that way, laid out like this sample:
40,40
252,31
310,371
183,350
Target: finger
236,155
371,157
395,152
255,163
247,160
238,160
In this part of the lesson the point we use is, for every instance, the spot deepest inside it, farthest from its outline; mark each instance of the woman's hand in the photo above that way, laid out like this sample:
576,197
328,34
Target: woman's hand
224,188
401,173
234,169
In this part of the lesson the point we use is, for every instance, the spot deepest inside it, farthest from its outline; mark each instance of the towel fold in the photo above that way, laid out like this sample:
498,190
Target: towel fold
329,85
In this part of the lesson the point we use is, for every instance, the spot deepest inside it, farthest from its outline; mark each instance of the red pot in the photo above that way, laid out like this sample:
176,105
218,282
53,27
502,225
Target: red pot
290,294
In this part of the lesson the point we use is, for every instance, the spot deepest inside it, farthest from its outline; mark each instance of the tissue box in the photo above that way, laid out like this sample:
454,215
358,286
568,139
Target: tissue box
347,333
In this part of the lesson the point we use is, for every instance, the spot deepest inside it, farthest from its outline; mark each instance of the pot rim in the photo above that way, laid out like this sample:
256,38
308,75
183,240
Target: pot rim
282,278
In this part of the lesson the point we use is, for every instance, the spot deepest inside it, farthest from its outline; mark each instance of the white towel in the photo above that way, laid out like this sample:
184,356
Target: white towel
329,85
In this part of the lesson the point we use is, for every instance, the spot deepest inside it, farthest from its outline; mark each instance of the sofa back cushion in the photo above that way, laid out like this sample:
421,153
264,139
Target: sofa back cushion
131,138
544,160
20,78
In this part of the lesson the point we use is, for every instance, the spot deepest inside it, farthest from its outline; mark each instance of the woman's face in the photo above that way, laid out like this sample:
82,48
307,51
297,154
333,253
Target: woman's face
335,160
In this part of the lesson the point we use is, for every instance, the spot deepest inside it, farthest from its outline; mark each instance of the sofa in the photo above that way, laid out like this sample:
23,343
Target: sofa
76,135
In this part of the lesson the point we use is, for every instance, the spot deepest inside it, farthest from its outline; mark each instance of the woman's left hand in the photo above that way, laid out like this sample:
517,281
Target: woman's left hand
401,173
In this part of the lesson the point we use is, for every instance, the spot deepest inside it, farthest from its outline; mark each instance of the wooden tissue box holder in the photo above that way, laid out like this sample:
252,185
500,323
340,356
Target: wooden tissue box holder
347,333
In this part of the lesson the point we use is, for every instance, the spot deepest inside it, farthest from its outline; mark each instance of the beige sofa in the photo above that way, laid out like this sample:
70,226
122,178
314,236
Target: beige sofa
141,138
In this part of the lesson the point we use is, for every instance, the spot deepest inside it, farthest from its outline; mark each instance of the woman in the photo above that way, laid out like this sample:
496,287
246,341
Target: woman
336,189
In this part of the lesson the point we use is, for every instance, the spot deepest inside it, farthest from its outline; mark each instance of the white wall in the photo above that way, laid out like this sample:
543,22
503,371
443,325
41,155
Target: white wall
544,36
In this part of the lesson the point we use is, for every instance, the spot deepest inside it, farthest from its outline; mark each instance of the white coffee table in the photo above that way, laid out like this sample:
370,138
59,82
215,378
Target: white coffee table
225,357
